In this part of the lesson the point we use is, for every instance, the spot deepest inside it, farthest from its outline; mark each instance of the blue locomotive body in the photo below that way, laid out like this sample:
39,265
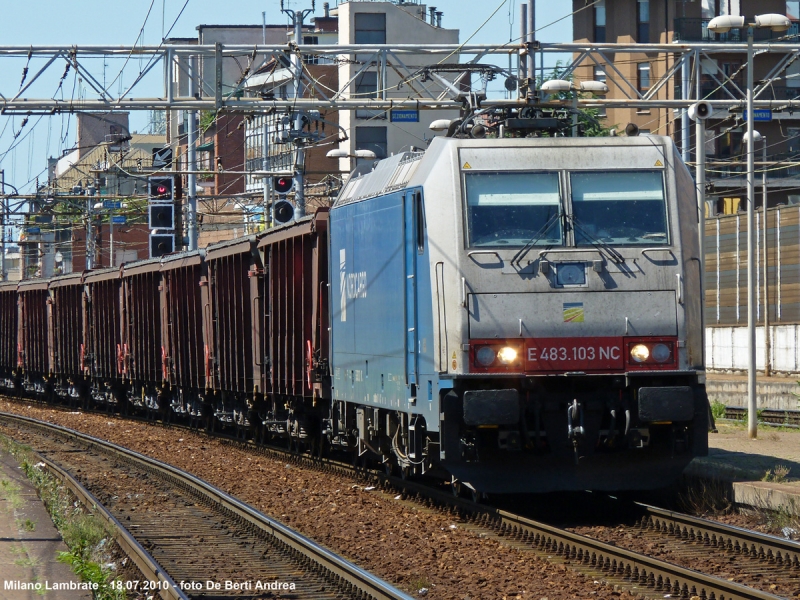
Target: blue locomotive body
522,315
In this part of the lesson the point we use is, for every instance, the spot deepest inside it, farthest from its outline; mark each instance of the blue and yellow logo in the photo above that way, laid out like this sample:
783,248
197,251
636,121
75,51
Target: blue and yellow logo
573,312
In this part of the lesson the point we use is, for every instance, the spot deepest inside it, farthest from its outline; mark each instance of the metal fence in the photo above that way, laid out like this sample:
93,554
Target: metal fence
726,267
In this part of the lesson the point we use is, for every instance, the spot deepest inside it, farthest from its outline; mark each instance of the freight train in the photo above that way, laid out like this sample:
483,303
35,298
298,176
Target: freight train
507,315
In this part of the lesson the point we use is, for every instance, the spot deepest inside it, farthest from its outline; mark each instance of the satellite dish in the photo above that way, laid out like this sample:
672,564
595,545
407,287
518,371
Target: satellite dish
59,257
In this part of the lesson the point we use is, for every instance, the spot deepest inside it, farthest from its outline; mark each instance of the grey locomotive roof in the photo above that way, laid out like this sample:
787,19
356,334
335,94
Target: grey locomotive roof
389,174
412,168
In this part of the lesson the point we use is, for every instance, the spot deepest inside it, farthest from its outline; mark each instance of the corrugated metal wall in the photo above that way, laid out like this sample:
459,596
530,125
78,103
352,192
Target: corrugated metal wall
68,327
9,314
726,267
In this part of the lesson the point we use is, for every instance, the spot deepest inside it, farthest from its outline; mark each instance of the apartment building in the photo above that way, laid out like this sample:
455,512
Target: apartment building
721,76
714,74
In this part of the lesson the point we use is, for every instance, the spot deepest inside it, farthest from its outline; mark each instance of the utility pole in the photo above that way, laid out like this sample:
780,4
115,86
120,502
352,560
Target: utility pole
3,225
89,234
767,344
686,85
297,17
523,37
531,50
191,156
752,398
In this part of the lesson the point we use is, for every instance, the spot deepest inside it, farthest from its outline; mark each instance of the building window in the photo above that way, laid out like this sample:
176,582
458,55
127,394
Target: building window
643,76
600,75
600,22
372,138
366,86
311,40
370,28
643,21
793,9
730,143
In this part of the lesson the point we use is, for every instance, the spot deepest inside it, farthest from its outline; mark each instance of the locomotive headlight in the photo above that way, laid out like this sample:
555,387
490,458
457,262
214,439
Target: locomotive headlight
485,356
507,355
661,353
640,353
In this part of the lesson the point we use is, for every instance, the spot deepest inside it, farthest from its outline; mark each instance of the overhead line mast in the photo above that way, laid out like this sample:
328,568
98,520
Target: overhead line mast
297,17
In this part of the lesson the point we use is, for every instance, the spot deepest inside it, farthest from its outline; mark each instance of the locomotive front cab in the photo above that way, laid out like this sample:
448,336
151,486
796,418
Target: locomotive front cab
577,354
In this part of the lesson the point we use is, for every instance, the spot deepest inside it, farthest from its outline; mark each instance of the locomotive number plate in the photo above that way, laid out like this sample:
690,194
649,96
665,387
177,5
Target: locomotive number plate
574,354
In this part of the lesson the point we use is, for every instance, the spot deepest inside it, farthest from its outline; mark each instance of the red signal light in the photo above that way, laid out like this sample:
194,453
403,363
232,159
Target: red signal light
283,185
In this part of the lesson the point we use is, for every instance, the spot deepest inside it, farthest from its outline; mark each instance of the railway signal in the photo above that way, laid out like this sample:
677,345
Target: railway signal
161,244
162,192
283,184
282,211
161,216
160,189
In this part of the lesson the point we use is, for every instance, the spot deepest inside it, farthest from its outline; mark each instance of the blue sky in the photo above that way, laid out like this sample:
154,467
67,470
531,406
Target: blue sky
117,22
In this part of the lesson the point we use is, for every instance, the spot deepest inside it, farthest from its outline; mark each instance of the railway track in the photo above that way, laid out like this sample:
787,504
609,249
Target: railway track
786,418
760,561
195,533
637,572
616,565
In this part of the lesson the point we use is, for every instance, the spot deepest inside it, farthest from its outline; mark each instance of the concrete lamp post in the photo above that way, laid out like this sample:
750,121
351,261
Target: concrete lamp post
723,24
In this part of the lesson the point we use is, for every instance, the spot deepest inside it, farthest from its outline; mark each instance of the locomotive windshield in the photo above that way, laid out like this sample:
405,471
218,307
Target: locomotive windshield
624,207
513,209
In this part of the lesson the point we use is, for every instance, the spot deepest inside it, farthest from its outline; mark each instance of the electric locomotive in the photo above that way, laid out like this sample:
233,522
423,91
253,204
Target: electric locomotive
520,314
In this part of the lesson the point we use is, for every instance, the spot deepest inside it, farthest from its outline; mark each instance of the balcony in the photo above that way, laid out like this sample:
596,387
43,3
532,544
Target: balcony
696,30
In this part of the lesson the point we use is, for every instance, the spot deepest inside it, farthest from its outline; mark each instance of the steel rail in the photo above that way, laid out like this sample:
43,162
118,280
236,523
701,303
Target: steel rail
768,416
720,535
646,574
167,588
654,575
360,581
635,569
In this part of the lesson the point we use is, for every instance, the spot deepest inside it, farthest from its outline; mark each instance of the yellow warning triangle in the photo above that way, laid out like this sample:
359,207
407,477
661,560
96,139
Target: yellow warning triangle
659,163
454,354
467,166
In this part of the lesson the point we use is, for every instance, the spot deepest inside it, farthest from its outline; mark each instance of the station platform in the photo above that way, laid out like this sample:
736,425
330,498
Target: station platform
30,543
774,392
764,472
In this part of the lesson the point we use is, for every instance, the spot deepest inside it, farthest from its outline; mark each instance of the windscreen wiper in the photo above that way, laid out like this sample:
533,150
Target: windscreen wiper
536,238
612,253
